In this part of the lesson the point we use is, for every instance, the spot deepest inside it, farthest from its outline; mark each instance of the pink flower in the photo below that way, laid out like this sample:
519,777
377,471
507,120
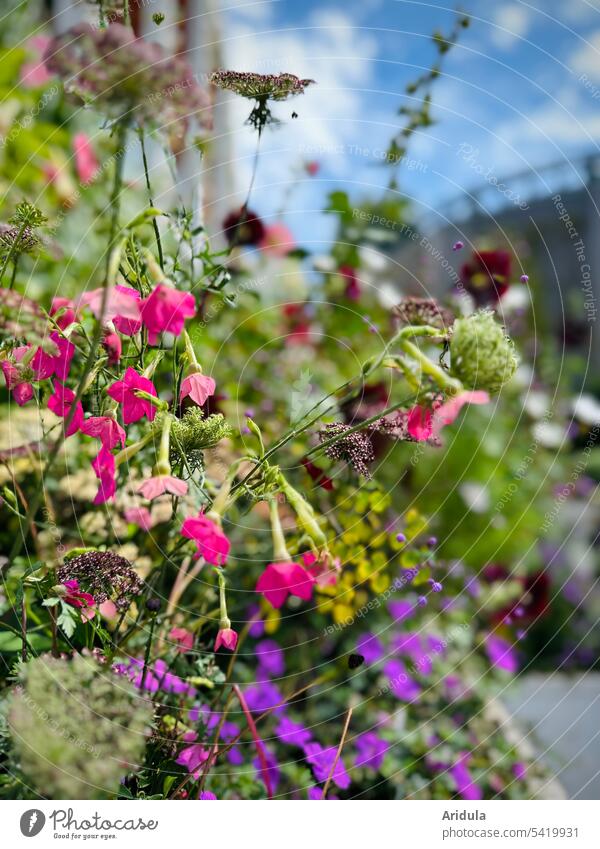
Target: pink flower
119,304
34,73
125,325
161,484
198,386
282,579
22,390
352,290
212,543
193,757
76,597
165,310
67,312
183,638
448,411
227,638
112,345
312,168
86,163
420,423
60,404
278,240
106,429
104,468
123,391
45,365
140,516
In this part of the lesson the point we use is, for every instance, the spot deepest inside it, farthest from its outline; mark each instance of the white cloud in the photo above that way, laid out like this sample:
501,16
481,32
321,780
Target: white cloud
512,22
585,59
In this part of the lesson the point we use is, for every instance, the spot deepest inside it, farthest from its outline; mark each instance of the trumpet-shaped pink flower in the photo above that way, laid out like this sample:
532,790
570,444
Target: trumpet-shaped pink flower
212,544
198,386
112,345
165,310
45,365
123,391
227,638
448,411
106,429
278,240
86,163
420,423
140,516
161,484
60,404
119,304
22,390
67,312
192,758
183,638
105,469
282,579
126,325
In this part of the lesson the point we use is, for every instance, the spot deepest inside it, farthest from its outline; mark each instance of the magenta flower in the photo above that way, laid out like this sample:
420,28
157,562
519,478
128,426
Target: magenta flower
206,795
120,303
104,468
183,638
106,429
192,758
140,516
322,760
22,390
165,310
76,597
126,325
465,785
123,391
227,638
45,365
282,579
67,312
420,423
161,484
86,163
501,653
60,404
198,387
111,342
278,240
212,544
448,411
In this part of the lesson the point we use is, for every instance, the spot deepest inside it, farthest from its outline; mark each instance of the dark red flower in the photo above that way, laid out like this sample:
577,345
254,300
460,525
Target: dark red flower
318,475
487,276
243,227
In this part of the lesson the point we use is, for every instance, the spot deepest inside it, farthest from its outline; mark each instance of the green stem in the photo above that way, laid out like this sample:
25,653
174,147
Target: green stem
150,201
12,250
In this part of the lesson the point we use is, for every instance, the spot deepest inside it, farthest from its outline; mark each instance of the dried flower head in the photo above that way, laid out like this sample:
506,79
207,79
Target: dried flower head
105,575
481,354
76,727
261,88
17,240
356,448
124,75
420,311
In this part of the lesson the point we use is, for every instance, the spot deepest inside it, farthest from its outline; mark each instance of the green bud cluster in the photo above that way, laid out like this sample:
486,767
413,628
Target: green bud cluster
482,356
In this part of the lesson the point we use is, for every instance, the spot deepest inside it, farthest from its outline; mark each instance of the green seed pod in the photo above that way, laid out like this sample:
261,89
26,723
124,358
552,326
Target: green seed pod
481,354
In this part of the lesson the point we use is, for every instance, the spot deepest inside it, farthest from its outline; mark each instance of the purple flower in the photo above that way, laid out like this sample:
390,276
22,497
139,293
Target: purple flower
400,610
292,733
270,658
207,795
370,647
321,761
401,684
501,653
465,785
370,750
157,677
519,770
193,757
263,696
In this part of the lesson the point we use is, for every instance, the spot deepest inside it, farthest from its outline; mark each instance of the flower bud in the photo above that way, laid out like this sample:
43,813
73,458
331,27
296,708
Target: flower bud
481,354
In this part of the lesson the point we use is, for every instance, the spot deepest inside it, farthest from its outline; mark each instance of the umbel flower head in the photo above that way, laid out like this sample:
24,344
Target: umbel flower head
419,311
481,354
122,75
261,88
105,575
76,727
356,448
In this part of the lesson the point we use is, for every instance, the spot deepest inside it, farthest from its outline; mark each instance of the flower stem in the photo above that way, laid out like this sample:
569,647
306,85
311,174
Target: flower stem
150,200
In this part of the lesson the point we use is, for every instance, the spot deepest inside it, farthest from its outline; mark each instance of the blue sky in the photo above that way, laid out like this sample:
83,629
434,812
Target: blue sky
513,90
